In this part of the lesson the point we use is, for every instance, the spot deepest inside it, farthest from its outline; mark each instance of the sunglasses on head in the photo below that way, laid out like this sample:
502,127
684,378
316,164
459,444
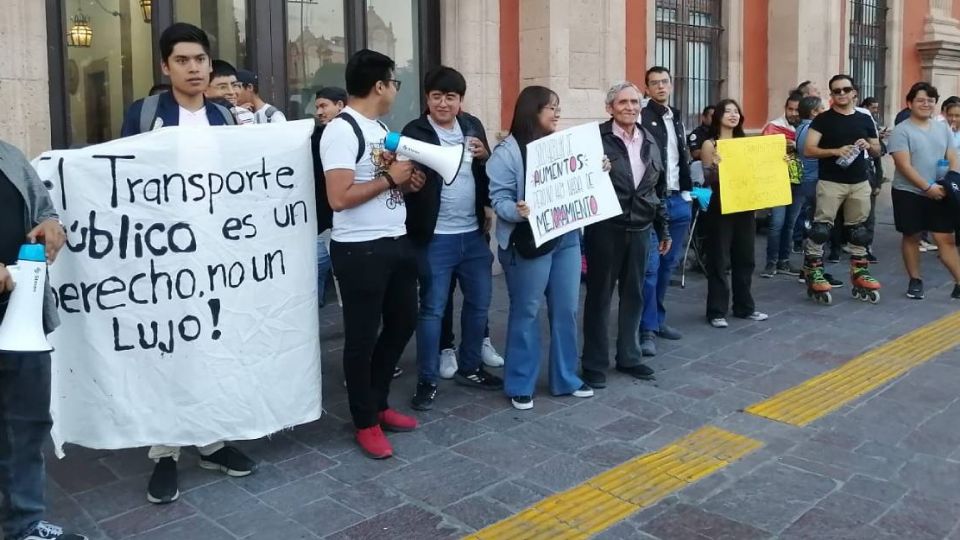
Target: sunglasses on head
841,91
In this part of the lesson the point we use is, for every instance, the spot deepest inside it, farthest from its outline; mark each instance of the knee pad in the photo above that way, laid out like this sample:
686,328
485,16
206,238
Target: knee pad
820,232
859,235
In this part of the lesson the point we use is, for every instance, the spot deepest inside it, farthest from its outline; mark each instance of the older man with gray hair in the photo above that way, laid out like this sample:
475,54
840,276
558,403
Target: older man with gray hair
616,249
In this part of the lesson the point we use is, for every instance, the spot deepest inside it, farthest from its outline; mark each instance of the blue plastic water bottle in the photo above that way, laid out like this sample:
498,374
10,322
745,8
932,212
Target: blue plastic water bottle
943,166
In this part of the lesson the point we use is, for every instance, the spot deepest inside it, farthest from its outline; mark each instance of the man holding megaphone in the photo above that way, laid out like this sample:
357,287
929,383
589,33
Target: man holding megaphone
26,216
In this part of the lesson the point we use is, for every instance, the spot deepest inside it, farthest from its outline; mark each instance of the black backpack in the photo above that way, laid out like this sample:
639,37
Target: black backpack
324,212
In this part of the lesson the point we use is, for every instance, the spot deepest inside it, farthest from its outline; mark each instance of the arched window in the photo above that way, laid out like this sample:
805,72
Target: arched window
688,44
868,48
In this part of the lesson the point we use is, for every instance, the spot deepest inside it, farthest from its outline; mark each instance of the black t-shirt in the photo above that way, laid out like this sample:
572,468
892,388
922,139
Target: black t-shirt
838,130
12,230
697,136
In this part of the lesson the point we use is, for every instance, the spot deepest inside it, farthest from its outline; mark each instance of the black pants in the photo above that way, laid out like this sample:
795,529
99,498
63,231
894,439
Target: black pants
447,338
615,257
378,286
730,240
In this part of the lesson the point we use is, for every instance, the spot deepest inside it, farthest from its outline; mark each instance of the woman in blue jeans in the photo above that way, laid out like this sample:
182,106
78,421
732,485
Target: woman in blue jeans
555,275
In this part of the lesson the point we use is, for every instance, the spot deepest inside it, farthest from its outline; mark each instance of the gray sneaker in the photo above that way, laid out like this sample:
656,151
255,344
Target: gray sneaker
769,270
787,269
648,346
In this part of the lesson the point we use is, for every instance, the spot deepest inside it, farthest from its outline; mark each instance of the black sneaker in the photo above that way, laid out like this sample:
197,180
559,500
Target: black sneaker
641,372
834,256
915,289
162,488
787,269
871,258
479,379
47,531
769,270
834,282
230,461
595,379
797,248
956,292
423,399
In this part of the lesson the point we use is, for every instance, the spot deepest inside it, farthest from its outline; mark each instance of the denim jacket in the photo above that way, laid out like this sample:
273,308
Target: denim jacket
507,182
39,208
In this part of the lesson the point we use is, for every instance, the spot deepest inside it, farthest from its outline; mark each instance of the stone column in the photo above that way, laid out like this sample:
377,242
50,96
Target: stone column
470,43
576,48
940,48
24,78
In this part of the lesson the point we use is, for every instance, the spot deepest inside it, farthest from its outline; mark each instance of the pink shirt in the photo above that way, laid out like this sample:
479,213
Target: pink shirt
634,145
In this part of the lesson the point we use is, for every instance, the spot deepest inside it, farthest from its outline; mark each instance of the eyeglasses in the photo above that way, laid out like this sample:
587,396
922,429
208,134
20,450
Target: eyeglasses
841,91
555,109
396,83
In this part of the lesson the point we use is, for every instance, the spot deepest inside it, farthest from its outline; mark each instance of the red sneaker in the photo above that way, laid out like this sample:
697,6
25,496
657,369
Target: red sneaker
392,420
374,443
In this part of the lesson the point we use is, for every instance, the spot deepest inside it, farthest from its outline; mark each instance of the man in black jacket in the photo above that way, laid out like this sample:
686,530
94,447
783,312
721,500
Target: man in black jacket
447,223
616,249
666,125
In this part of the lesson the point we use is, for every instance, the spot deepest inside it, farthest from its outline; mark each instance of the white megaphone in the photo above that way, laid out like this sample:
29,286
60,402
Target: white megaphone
22,326
445,160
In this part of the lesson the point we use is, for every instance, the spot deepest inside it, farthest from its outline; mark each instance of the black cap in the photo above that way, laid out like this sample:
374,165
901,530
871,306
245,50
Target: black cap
246,77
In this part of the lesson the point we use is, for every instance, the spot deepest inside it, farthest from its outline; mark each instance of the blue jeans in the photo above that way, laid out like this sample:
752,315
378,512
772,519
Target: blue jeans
466,257
24,426
556,275
781,227
323,269
808,201
660,267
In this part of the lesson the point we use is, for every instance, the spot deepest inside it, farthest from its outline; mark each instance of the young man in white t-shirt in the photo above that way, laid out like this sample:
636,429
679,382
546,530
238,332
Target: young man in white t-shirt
185,58
373,260
250,98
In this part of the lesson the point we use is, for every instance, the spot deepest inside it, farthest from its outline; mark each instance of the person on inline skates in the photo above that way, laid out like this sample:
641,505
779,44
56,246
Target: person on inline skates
841,139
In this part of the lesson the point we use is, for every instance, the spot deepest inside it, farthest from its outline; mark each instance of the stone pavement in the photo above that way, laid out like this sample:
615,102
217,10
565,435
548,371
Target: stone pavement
886,466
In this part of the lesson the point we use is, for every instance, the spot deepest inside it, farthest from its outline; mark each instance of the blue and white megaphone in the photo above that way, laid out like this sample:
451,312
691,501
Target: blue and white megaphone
445,160
22,327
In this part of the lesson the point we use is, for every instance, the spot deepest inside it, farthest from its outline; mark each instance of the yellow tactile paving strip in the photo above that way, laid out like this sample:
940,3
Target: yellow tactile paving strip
612,496
828,392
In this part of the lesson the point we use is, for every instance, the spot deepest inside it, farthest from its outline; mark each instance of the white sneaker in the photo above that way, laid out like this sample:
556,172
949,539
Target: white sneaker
757,316
522,403
448,363
927,246
489,354
719,323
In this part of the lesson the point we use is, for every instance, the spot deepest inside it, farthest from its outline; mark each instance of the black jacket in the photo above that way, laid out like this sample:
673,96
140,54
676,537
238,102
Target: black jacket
423,207
641,205
652,119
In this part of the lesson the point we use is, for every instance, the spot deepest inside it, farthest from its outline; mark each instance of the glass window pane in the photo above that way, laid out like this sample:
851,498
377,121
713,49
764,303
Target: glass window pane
109,65
224,21
393,29
316,51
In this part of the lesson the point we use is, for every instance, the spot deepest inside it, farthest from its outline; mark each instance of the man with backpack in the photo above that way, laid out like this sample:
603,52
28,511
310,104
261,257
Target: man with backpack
185,59
363,187
250,98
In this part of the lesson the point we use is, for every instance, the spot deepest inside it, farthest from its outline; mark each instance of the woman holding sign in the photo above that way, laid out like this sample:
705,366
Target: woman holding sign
553,269
730,237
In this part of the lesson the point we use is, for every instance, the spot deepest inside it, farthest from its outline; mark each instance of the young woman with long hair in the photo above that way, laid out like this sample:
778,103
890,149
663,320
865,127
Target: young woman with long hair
730,237
553,270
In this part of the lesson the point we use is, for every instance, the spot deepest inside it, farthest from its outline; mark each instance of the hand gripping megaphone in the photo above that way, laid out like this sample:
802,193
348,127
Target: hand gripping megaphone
445,160
22,326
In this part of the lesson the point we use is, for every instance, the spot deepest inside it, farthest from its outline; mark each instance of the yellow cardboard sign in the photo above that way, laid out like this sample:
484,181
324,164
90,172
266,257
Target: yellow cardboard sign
753,173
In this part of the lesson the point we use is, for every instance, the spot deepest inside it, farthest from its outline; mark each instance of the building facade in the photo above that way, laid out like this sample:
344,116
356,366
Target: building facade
72,66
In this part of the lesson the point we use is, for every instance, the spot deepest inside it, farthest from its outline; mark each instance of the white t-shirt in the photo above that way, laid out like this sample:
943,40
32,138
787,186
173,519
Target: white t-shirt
458,211
197,118
261,115
673,153
385,215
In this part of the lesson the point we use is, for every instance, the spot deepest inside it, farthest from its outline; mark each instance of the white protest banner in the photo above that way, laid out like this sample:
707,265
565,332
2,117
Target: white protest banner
188,287
566,187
